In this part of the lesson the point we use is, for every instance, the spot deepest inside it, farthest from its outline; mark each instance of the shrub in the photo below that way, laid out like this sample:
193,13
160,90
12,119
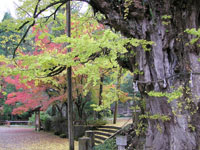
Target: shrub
59,124
47,124
32,118
63,136
107,145
56,133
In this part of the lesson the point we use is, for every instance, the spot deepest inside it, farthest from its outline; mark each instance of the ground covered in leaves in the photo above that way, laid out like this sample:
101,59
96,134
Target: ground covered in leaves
18,138
24,138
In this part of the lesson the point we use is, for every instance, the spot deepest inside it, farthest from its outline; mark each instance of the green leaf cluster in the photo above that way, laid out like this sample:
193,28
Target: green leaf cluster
155,117
196,34
171,96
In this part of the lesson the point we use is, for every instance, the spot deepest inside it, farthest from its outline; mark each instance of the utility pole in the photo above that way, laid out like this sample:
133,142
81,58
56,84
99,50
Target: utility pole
69,83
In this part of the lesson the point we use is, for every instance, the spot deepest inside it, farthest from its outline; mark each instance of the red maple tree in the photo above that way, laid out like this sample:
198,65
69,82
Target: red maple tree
29,95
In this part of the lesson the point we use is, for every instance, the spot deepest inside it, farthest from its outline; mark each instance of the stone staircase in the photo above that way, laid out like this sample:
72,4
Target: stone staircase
103,133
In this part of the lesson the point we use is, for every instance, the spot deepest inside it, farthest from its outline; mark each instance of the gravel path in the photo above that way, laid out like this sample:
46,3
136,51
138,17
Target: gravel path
16,138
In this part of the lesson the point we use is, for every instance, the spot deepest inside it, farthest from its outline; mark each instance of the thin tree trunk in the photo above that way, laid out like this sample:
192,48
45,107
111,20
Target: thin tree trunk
100,94
101,90
115,112
116,102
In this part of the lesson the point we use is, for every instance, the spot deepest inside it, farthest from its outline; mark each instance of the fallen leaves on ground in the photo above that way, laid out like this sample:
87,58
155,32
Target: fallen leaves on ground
27,139
21,138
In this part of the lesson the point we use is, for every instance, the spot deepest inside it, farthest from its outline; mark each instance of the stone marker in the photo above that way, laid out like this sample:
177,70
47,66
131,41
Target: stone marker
90,134
121,142
84,143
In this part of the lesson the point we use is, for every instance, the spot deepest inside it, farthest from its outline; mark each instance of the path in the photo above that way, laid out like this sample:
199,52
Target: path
27,139
120,121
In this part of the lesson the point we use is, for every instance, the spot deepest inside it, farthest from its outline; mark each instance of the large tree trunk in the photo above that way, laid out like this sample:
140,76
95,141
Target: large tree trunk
169,63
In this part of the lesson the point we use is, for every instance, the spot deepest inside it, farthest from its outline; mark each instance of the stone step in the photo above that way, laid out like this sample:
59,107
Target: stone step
110,127
106,130
97,142
102,133
100,137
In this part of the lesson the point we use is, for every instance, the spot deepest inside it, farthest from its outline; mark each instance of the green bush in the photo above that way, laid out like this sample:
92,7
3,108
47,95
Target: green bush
107,145
63,136
97,122
47,124
32,118
59,124
58,121
57,133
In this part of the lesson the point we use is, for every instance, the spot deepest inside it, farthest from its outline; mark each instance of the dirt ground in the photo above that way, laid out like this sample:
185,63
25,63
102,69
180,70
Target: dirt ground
121,122
15,138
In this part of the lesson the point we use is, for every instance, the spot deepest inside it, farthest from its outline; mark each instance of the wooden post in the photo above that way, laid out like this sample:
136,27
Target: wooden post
39,124
8,123
36,123
84,143
69,83
90,134
37,120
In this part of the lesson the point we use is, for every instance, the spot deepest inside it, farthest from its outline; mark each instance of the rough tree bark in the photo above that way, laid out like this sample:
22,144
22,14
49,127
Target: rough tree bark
169,63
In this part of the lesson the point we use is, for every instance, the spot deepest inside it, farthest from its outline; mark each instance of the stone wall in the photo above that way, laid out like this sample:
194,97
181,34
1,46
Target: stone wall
79,130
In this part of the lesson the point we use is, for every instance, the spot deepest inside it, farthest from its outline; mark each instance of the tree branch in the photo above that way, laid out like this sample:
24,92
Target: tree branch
54,13
22,39
22,9
36,8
